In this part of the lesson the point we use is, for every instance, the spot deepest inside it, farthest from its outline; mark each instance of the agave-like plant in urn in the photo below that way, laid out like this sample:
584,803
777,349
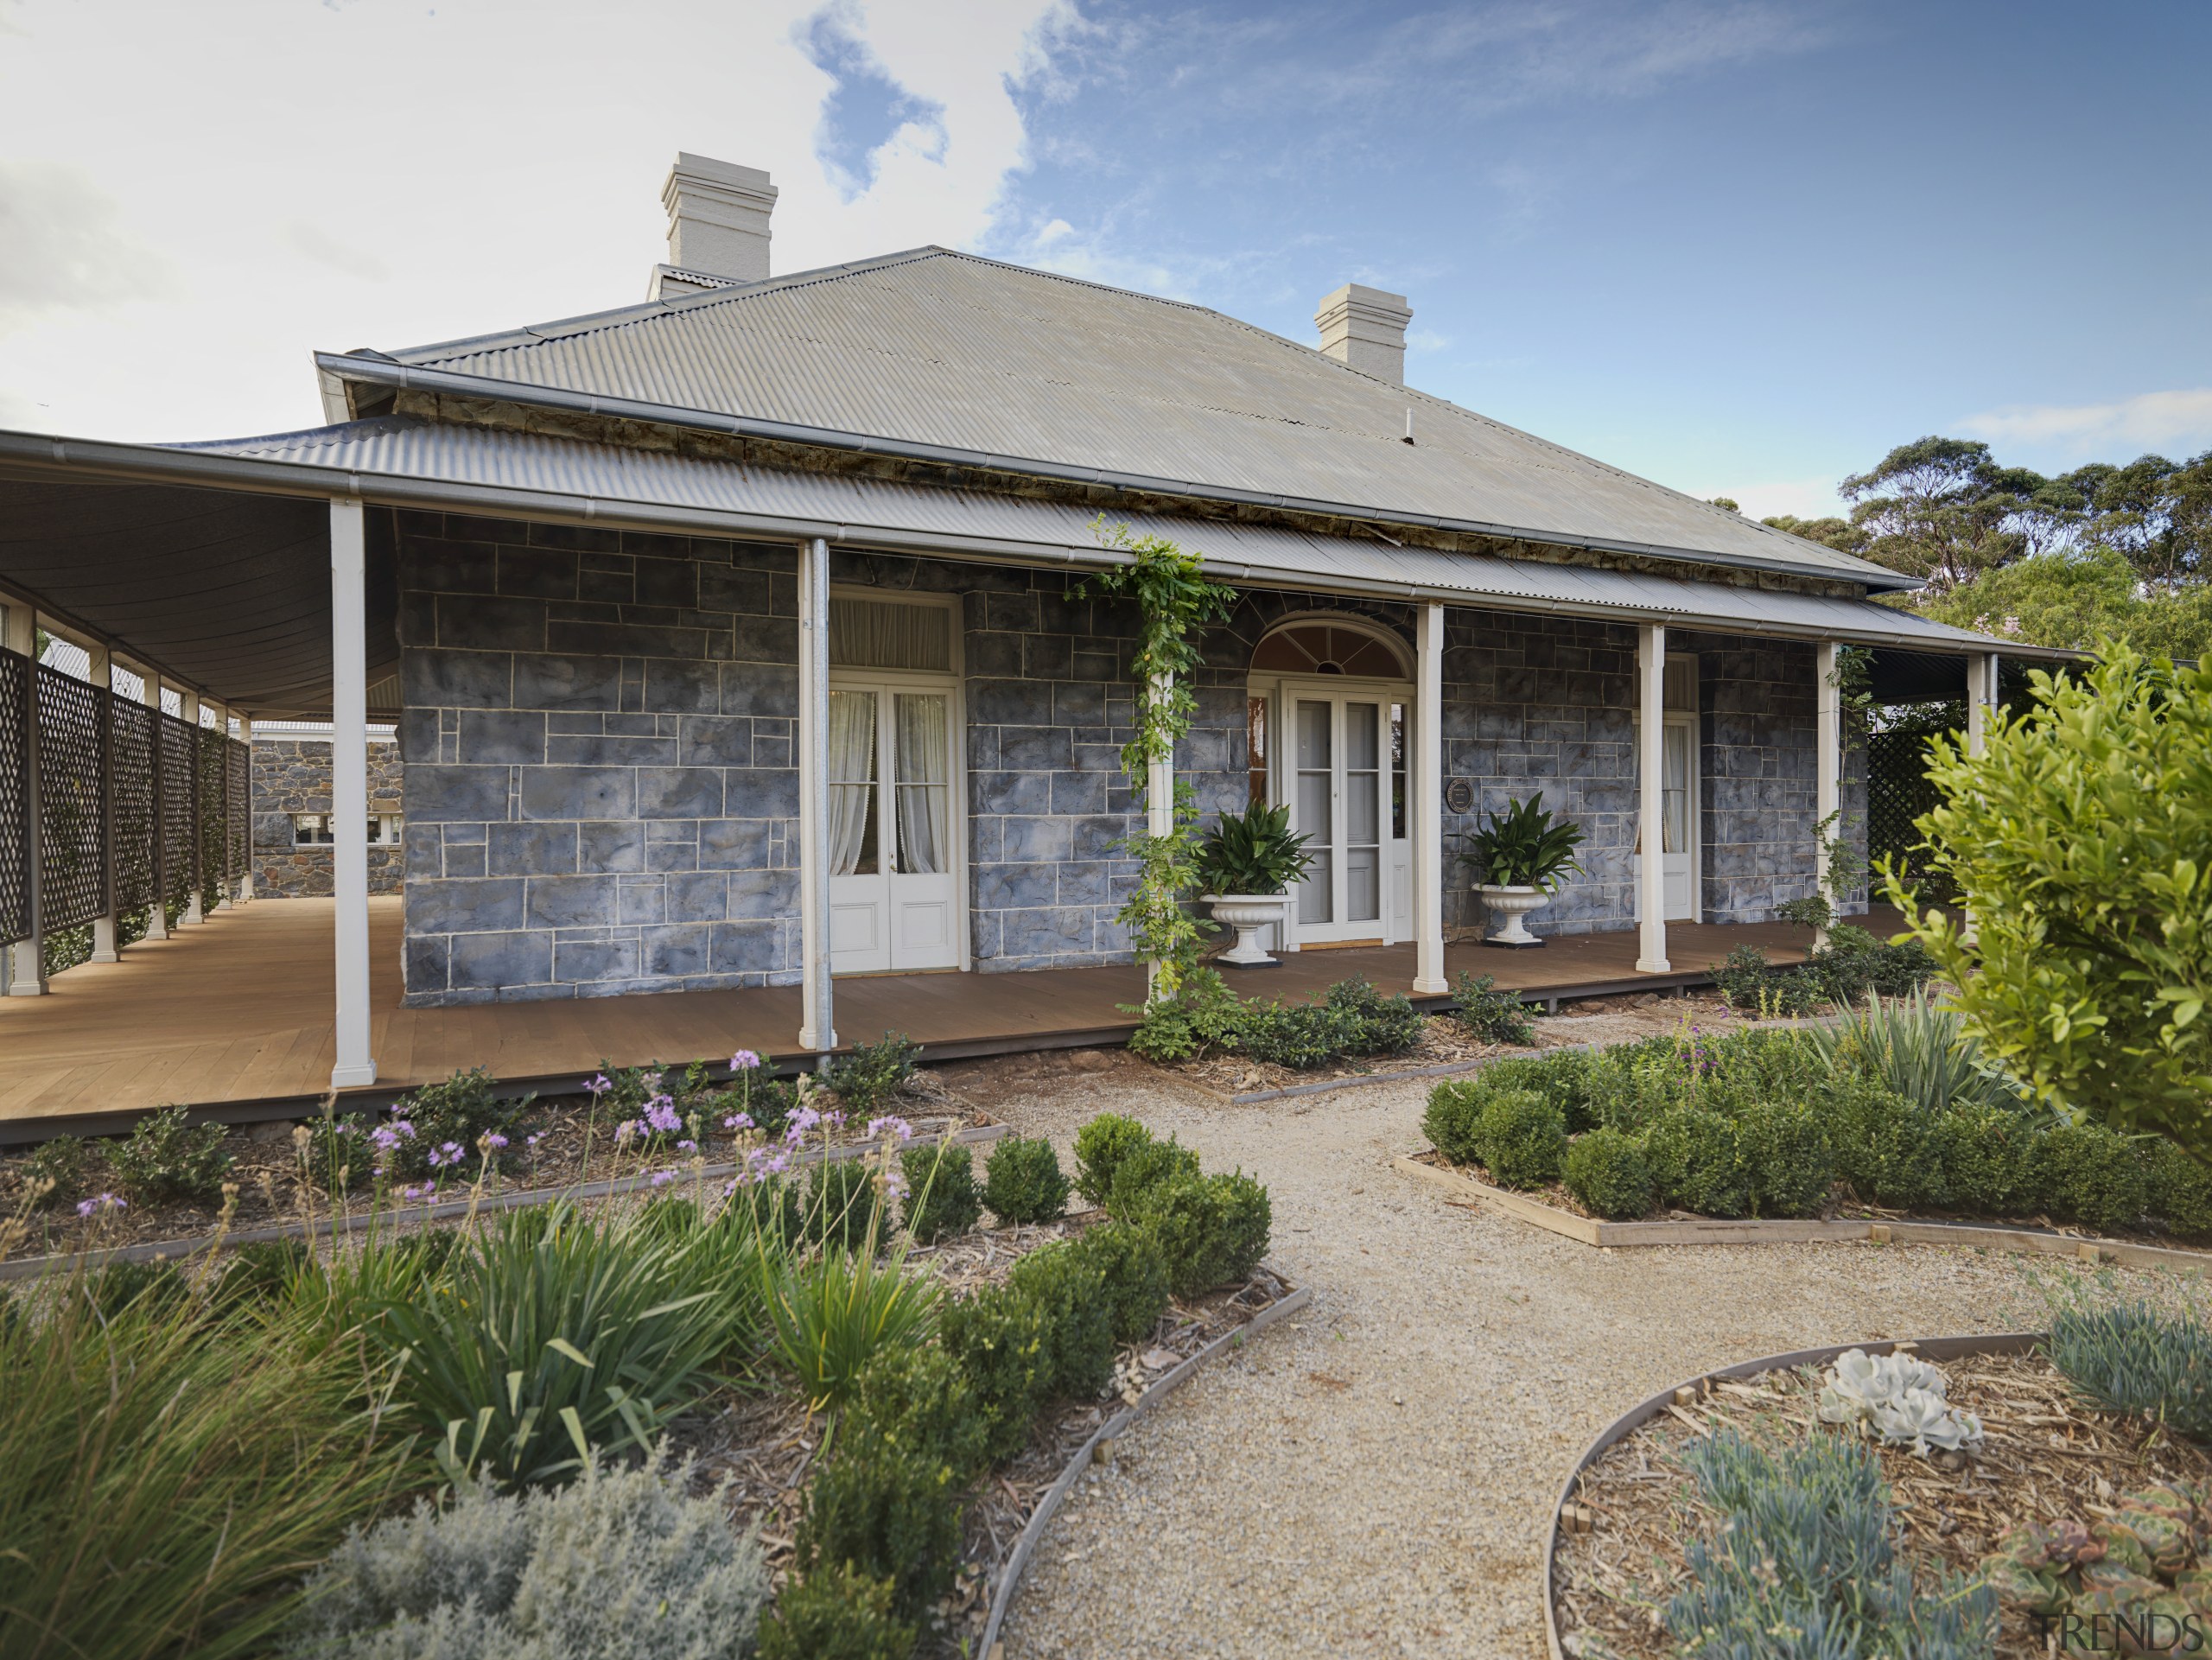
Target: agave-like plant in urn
1245,866
1520,858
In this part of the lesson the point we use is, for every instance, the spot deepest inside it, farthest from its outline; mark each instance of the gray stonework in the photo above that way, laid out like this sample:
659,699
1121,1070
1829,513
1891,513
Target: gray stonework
603,797
292,775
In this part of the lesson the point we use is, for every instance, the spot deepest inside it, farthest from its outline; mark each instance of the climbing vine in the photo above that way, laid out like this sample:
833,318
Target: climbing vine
1174,602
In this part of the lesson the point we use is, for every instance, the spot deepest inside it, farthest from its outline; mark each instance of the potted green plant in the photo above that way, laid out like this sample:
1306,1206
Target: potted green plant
1245,866
1520,858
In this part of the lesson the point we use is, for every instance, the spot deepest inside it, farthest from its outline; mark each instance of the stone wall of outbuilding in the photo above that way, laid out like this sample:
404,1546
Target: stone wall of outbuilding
292,775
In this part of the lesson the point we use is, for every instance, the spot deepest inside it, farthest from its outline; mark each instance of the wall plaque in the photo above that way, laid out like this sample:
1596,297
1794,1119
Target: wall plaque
1458,796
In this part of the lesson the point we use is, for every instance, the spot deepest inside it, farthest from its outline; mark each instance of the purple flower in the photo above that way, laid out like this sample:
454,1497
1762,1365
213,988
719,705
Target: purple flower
534,1140
662,1178
626,1129
426,1189
744,1061
101,1202
891,1123
738,1120
493,1140
687,1147
660,1114
600,1085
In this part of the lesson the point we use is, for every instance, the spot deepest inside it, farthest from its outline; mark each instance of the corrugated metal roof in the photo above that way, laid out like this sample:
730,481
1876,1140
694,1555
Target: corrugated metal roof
945,350
617,485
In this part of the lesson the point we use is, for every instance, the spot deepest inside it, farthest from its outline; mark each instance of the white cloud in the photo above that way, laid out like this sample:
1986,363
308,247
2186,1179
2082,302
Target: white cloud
60,246
1813,497
2180,419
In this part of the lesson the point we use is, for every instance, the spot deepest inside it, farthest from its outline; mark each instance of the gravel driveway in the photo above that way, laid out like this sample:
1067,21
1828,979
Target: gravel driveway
1375,1477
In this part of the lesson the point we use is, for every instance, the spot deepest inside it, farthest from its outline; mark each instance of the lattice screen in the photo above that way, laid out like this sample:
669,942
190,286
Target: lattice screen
130,750
73,851
237,812
15,799
180,787
213,779
1897,792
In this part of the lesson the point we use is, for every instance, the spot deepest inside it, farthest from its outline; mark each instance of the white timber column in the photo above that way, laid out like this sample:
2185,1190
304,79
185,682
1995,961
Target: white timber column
189,710
1981,697
1159,801
101,673
24,974
1427,804
158,913
349,790
1828,743
245,877
1650,793
817,1029
223,726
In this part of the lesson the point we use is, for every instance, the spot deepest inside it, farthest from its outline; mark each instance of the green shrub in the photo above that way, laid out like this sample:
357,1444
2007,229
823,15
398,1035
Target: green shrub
1022,1181
1695,1162
2086,1174
1751,986
1607,1171
872,1073
1494,1016
1100,1147
1521,1138
1855,963
341,1157
61,1161
1787,1161
830,1317
915,1399
1202,1014
893,1515
998,1337
1299,1036
553,1315
1209,1230
2132,1357
1889,1150
1987,1154
1562,1077
1070,1288
2179,1189
941,1198
1141,1169
1375,1024
1245,1222
620,1566
454,1115
1133,1276
1915,1046
165,1157
1454,1108
837,1614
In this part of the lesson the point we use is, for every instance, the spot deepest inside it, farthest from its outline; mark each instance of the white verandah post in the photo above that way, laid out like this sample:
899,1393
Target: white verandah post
1650,793
1158,804
1828,743
194,903
1981,697
101,670
349,790
1426,808
157,912
817,1012
245,877
22,965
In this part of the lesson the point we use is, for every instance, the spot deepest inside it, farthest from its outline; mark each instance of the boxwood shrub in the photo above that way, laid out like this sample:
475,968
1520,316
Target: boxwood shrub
941,1198
1607,1171
1100,1147
1070,1288
1521,1138
997,1337
1133,1275
1022,1181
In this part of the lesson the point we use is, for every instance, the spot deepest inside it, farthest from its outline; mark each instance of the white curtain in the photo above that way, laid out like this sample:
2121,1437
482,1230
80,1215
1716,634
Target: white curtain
1674,790
852,777
924,764
882,634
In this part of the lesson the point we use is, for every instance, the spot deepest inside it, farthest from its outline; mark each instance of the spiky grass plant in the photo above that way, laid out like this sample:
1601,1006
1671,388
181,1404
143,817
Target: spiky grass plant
1916,1047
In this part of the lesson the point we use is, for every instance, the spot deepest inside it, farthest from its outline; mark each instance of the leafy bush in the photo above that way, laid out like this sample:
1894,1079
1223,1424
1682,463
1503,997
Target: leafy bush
1986,1154
1144,1168
1202,1014
998,1337
1209,1230
1245,1222
837,1614
620,1566
1801,1566
893,1514
1375,1024
1853,963
941,1198
1454,1108
830,1318
915,1399
1493,1016
1787,1161
563,1335
1100,1147
2080,840
161,1489
456,1114
61,1161
1133,1275
1022,1181
1695,1162
872,1073
165,1157
1353,1018
2132,1357
2084,1172
2179,1189
1069,1287
1752,986
1889,1149
1521,1138
1607,1171
341,1157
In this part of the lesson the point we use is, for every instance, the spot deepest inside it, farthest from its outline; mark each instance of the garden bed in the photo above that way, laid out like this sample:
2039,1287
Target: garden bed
1620,1543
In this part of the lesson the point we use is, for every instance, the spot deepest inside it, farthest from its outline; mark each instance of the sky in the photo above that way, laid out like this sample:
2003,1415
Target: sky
1741,247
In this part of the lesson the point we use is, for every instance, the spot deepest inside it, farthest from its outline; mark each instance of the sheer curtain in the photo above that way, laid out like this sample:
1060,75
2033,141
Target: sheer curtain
923,762
1674,790
852,777
881,634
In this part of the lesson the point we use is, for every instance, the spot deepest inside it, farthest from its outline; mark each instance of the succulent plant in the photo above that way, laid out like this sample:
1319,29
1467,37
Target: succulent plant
1900,1401
2142,1565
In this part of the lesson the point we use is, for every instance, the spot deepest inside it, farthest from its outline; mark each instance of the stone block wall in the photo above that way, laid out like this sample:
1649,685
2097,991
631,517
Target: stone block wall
293,775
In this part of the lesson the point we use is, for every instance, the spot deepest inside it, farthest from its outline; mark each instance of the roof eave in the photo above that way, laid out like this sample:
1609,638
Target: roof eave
383,371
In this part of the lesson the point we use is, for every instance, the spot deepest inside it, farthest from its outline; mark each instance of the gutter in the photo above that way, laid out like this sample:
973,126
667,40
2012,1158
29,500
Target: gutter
153,463
382,371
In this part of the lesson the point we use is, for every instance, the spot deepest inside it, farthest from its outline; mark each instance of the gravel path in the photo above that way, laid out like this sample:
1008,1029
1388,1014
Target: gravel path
1375,1477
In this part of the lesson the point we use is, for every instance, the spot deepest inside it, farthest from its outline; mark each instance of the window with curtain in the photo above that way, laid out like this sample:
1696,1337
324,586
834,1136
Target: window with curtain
885,634
852,783
922,781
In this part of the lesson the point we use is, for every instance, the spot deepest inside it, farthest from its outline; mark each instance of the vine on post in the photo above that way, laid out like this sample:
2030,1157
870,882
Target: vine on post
1174,602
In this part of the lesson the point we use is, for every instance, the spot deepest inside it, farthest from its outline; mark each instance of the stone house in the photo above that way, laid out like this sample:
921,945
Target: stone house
293,838
740,636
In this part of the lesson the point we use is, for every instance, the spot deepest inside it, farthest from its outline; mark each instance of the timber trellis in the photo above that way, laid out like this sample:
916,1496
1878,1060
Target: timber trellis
134,804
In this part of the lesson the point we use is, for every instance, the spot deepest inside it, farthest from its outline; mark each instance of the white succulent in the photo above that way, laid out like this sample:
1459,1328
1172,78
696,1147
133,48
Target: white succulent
1897,1399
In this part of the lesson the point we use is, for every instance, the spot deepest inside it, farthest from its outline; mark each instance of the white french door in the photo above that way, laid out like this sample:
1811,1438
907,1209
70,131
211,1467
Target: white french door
1678,816
895,900
1342,773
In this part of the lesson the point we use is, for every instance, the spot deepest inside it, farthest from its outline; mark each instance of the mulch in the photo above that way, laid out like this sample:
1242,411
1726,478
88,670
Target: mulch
2046,1456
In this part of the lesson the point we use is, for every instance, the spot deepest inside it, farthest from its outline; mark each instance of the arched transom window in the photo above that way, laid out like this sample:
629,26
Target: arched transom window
1330,648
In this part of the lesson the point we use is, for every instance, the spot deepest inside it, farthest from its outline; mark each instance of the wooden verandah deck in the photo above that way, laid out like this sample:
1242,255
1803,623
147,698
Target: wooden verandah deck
233,1017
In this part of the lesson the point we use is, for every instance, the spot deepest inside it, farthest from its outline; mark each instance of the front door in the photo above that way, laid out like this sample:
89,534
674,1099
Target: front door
1678,825
893,899
1346,782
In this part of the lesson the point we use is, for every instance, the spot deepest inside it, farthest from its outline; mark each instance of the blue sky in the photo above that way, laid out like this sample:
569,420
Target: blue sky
1736,247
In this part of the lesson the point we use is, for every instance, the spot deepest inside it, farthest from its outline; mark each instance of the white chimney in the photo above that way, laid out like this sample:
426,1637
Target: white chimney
717,225
1365,329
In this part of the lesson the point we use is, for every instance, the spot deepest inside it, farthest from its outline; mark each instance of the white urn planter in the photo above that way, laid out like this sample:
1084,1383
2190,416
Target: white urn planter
1248,913
1509,910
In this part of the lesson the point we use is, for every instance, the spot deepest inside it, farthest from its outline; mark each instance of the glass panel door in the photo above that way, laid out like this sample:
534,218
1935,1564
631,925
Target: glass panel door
1312,809
1362,813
